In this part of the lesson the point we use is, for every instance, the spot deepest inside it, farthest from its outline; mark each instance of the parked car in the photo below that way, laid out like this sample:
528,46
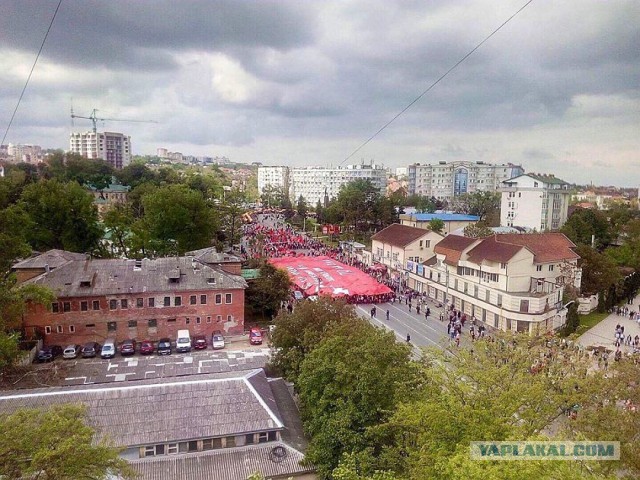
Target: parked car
147,348
217,341
128,347
183,342
91,349
255,336
71,351
164,346
200,342
108,349
49,352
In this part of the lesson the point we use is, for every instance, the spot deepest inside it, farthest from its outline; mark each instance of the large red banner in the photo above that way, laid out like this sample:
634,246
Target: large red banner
328,277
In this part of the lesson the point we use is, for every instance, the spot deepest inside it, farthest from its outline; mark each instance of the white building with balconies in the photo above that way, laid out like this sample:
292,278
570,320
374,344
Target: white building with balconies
510,282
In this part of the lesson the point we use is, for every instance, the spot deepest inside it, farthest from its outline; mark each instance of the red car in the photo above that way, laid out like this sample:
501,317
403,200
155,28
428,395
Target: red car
255,336
147,348
199,342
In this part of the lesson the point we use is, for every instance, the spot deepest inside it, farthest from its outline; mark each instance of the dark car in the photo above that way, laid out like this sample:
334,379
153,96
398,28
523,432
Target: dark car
49,352
91,349
255,336
128,347
164,346
147,348
199,342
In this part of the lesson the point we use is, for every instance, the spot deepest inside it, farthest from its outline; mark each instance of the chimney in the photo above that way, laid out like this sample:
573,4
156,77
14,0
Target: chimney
46,268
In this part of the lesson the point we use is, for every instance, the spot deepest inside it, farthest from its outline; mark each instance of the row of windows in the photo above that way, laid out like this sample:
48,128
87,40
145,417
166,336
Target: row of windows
207,444
151,302
151,323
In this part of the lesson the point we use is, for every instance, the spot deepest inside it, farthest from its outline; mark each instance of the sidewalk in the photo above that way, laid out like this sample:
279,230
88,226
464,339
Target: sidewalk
603,334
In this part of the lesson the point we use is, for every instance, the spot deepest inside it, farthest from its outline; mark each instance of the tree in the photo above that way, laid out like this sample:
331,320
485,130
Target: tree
231,210
135,174
302,208
178,219
118,221
599,272
272,196
477,230
436,225
351,382
298,333
56,443
14,224
269,290
510,388
483,204
573,320
584,224
62,215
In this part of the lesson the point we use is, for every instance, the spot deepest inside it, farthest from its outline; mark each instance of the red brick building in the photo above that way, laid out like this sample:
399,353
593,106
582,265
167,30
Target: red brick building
139,299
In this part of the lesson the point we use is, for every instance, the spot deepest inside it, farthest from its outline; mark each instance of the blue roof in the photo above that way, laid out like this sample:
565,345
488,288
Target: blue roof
445,217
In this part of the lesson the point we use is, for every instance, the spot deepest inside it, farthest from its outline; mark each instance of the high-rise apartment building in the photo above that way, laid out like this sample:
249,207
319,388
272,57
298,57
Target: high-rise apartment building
25,153
537,202
112,147
447,180
273,176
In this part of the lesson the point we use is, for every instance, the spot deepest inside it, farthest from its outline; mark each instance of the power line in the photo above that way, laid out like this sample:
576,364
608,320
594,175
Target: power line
436,82
6,132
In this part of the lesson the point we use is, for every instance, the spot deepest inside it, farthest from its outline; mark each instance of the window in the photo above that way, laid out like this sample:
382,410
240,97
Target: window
55,307
132,323
90,325
139,302
230,441
218,298
263,437
208,319
187,321
229,318
153,323
182,447
172,449
96,305
273,436
198,320
218,318
113,304
171,320
193,446
550,269
538,268
177,301
227,298
207,444
203,299
47,330
59,329
84,306
249,439
192,300
149,451
167,301
151,302
124,303
66,306
503,266
112,326
427,243
72,328
159,449
420,243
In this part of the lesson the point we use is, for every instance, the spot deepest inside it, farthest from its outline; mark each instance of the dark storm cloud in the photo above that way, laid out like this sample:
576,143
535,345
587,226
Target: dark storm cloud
140,35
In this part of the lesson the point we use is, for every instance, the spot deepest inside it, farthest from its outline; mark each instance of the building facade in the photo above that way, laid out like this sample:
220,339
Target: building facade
452,221
114,148
25,153
445,180
536,202
509,282
273,176
138,299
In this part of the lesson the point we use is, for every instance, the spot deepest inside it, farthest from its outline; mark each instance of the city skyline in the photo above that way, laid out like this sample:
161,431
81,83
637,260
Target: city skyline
306,83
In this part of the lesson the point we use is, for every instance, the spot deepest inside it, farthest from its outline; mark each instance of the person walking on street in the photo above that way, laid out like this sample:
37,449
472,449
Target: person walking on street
387,315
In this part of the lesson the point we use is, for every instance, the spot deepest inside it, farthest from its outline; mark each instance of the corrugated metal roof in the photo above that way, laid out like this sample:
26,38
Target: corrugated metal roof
445,217
167,410
53,259
225,464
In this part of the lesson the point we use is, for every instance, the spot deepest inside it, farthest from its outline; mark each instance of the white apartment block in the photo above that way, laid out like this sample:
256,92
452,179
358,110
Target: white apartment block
114,148
447,180
509,282
536,202
274,176
313,183
25,153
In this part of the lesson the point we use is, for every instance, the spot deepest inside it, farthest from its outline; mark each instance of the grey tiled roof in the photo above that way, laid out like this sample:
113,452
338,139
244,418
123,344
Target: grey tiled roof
52,258
167,410
121,276
210,255
226,464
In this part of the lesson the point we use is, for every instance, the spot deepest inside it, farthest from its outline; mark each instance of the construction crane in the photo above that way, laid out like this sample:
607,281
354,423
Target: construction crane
94,119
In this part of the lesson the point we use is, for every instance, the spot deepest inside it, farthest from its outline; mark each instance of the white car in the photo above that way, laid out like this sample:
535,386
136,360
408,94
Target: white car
71,351
217,341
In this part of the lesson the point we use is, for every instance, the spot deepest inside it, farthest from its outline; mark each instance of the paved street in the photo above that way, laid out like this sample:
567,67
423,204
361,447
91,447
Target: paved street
603,334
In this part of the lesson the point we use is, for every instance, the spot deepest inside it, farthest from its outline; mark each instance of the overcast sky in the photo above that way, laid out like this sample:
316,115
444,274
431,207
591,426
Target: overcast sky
306,82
